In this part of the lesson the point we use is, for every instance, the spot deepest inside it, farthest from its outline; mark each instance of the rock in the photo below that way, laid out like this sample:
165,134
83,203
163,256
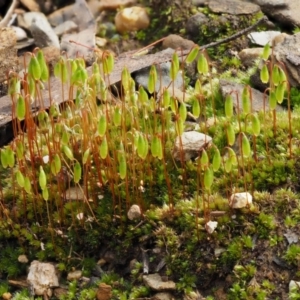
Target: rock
199,2
249,56
291,237
75,275
228,87
104,292
263,37
59,292
20,33
210,226
163,74
194,23
163,296
8,52
175,41
115,4
192,143
287,52
42,277
65,27
132,19
61,15
193,296
31,5
294,285
41,30
154,281
134,212
282,11
240,200
74,193
233,7
6,296
23,259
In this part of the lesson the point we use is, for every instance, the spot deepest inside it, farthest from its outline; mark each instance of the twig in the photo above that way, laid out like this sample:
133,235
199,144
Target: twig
236,35
8,15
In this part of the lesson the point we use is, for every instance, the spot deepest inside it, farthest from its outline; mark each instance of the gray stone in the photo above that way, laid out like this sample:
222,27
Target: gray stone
134,212
287,52
240,200
248,56
154,281
233,7
42,277
286,12
228,87
75,275
41,30
65,27
194,23
190,143
163,73
263,37
163,296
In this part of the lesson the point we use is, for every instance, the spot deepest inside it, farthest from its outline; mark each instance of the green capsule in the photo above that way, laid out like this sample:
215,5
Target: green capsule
174,70
34,68
228,166
216,163
20,150
14,86
246,103
10,155
27,185
208,178
179,125
192,55
198,87
266,51
20,108
102,125
108,63
43,65
166,98
196,108
42,178
228,106
65,138
155,145
275,75
68,152
20,178
279,92
202,64
103,149
125,76
80,76
141,144
264,74
152,79
45,194
173,104
182,111
255,125
272,100
230,134
246,148
282,75
117,116
122,166
31,85
143,96
77,172
56,165
204,160
232,156
86,156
